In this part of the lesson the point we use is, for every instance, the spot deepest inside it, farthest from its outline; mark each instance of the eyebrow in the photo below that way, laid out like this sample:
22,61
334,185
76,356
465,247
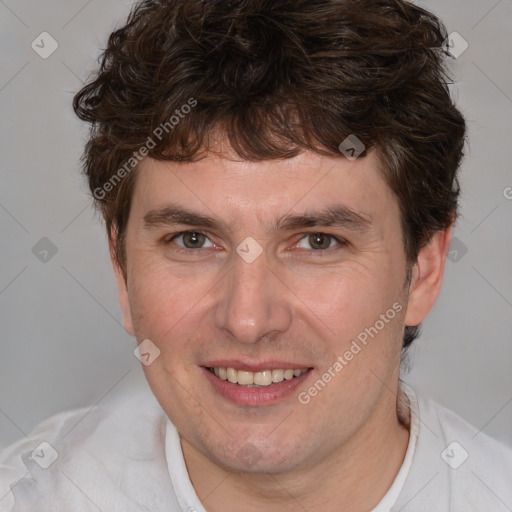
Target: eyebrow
173,214
335,215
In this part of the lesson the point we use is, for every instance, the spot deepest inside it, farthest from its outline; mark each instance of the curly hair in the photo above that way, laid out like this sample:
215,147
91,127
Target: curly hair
277,77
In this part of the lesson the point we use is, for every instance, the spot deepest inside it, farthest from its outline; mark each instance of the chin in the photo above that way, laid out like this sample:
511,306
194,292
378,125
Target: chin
259,456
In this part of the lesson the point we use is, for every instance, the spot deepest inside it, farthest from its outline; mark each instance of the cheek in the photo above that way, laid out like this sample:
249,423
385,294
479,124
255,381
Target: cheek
348,300
159,299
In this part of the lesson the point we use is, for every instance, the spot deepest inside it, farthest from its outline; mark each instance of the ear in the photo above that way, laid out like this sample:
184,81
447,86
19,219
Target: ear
427,277
122,286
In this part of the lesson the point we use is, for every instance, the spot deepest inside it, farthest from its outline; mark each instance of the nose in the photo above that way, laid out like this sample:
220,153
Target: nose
254,303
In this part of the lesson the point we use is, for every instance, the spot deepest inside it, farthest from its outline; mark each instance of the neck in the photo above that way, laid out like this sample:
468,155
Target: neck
359,473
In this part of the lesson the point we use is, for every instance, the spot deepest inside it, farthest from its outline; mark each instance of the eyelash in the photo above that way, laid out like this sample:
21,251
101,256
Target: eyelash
171,237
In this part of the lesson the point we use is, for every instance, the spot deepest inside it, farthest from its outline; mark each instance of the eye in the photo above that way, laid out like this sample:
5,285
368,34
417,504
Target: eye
319,241
190,240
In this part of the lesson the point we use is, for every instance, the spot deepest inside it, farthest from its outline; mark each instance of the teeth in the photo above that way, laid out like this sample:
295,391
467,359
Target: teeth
277,375
255,379
245,378
263,378
232,375
288,374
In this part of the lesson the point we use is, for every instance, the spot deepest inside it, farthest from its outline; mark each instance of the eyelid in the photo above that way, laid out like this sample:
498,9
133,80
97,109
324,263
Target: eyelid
172,236
340,241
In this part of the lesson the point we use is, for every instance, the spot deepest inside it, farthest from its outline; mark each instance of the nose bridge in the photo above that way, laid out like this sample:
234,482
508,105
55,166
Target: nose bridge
252,303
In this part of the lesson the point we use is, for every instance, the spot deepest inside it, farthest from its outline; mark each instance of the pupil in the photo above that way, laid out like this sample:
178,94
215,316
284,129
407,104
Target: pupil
193,238
316,240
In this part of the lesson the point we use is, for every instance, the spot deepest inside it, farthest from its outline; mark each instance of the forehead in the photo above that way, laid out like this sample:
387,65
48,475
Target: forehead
256,192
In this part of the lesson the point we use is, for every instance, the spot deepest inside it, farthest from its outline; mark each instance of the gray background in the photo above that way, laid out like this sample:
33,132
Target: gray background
62,342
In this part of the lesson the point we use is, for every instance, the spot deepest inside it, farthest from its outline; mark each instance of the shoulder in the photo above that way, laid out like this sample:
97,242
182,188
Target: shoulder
90,457
487,451
455,465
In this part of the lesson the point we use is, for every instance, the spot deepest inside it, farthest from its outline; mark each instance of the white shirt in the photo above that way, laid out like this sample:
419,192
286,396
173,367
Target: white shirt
124,455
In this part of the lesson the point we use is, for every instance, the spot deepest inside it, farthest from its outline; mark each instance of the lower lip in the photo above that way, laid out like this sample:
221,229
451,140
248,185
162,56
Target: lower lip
244,395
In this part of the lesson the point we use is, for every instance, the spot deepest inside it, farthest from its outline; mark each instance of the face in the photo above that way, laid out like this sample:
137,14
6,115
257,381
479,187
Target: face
247,271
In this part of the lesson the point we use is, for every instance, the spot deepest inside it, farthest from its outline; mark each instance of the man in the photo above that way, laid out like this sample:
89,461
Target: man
279,185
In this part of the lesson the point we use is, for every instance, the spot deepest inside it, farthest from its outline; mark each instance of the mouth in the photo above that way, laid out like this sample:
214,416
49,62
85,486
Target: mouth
257,386
262,378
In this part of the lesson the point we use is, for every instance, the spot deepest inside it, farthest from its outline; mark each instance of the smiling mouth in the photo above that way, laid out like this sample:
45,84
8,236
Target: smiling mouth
256,379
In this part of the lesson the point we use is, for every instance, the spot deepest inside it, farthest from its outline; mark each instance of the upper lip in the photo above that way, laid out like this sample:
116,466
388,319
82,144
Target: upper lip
256,366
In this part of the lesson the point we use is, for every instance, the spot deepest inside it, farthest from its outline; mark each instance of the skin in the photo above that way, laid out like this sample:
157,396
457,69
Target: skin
293,303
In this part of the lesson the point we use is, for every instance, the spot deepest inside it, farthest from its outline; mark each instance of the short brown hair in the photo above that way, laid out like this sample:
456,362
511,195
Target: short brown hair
278,77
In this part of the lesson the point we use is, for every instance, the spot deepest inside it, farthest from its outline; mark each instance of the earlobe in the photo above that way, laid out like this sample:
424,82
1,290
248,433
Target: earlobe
122,288
427,277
